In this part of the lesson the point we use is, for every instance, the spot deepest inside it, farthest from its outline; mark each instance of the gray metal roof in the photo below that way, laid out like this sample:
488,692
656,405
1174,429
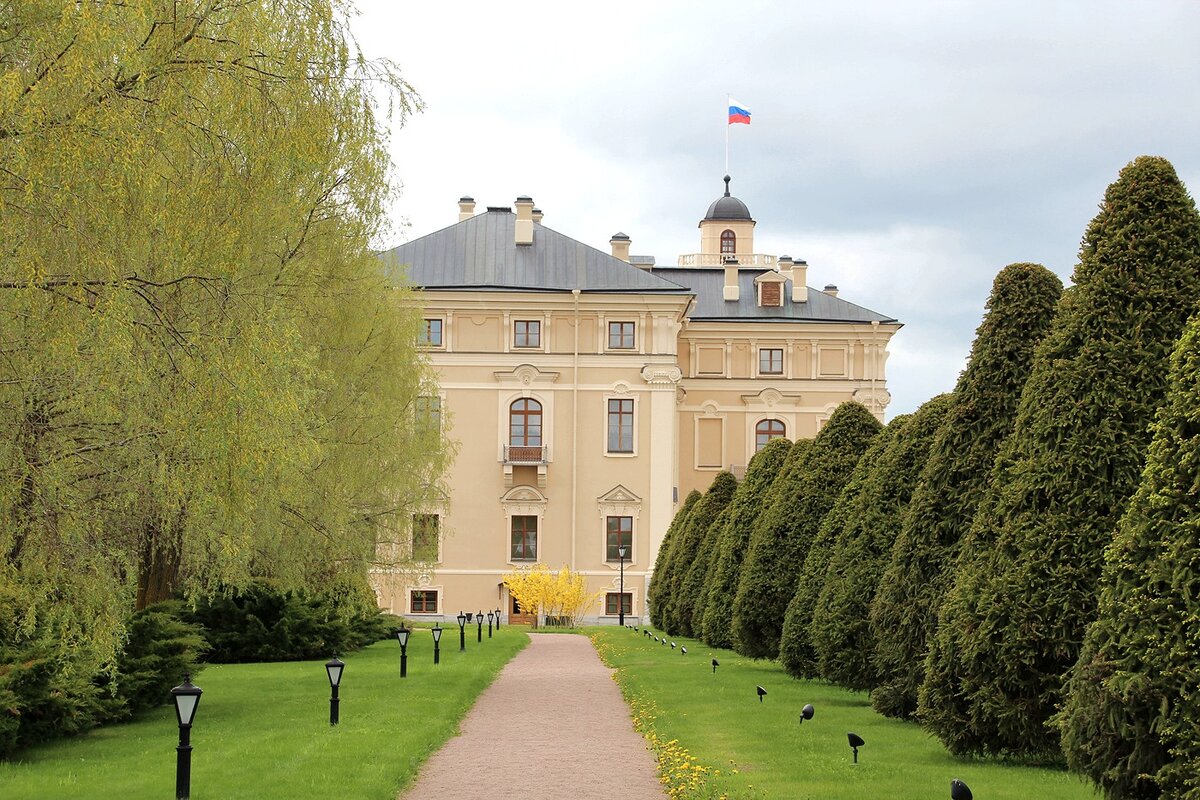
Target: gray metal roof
727,207
480,253
709,286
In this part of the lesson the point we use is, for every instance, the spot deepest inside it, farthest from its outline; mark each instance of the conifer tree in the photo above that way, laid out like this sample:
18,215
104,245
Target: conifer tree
765,468
1130,720
692,589
840,630
1011,627
1018,313
663,563
781,537
703,517
796,653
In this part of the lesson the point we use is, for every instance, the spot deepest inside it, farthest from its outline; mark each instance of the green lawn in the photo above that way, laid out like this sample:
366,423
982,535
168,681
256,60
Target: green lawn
747,749
262,730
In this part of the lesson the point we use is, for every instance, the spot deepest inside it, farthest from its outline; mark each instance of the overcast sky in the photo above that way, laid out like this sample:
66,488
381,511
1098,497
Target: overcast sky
906,150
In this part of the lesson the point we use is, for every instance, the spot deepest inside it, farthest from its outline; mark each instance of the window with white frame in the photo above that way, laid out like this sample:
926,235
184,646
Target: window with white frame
431,333
770,361
524,537
618,534
620,336
527,333
423,601
767,430
620,425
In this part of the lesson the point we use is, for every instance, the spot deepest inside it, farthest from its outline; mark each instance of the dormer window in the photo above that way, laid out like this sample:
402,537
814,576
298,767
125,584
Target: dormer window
771,294
728,242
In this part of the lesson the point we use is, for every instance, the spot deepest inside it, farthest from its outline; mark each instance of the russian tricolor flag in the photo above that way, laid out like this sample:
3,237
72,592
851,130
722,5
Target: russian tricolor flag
738,113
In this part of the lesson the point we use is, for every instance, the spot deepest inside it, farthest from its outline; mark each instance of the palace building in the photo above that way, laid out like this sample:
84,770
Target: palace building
590,391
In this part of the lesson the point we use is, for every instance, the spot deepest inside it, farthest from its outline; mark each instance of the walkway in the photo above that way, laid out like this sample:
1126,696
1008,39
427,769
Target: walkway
552,726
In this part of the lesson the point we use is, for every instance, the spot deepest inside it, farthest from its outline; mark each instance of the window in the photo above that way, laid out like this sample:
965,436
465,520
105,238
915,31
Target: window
425,537
524,538
610,603
620,534
429,414
620,426
527,333
525,423
431,333
767,430
620,335
728,242
423,601
770,361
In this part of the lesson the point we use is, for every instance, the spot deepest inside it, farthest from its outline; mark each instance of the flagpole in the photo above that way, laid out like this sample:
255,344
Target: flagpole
728,100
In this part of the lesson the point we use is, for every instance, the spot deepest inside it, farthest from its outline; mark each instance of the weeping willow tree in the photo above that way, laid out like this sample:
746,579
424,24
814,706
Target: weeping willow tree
205,375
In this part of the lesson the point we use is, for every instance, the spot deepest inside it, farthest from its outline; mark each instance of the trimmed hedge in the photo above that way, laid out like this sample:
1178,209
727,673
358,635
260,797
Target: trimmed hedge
1015,620
663,563
840,629
1018,313
797,503
677,611
764,469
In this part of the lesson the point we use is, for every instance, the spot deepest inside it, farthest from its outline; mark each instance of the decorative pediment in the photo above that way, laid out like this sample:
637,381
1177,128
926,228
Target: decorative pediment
619,494
769,277
526,375
619,501
523,494
769,399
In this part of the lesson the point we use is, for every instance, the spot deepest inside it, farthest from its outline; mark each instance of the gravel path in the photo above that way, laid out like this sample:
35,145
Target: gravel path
552,726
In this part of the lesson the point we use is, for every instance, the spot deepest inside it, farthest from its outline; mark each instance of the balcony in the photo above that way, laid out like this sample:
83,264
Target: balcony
747,260
512,456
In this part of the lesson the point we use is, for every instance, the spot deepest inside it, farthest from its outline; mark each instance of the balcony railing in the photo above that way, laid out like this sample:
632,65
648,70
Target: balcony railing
526,454
759,260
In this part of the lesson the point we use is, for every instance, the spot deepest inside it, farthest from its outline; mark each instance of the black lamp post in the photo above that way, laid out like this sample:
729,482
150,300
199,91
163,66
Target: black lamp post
462,632
186,697
490,615
334,667
621,595
497,619
437,638
402,637
479,619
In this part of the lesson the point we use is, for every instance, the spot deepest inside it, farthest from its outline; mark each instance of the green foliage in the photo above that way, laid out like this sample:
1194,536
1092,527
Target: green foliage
1018,313
797,503
701,524
693,589
162,647
1012,625
764,469
840,630
1129,721
207,377
796,652
263,622
663,563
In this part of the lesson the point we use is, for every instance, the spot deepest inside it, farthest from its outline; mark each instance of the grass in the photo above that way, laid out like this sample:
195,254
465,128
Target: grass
715,739
262,730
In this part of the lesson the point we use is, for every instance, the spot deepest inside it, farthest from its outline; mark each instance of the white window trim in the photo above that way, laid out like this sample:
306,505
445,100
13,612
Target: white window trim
523,501
441,599
788,429
631,507
445,333
608,337
783,371
506,402
633,601
541,345
619,395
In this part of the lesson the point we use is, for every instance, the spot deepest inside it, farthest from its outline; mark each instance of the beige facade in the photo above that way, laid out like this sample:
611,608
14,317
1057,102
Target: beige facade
587,396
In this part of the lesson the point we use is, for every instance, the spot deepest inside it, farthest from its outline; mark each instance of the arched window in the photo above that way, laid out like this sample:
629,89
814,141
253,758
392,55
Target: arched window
728,242
767,430
525,423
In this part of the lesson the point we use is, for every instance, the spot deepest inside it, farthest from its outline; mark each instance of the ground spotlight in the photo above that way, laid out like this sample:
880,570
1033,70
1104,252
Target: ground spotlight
715,664
806,712
856,742
761,692
683,651
960,791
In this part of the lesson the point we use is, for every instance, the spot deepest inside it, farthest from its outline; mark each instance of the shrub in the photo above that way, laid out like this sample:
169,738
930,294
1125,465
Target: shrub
161,647
677,612
840,631
981,415
797,503
1017,616
730,546
662,563
1129,722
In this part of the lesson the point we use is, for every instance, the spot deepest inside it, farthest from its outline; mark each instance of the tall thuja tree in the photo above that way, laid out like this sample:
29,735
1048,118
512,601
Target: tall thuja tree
766,468
781,538
1016,619
840,631
663,563
693,587
1130,719
704,516
981,415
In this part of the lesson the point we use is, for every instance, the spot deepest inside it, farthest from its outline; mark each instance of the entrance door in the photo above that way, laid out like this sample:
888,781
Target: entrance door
517,616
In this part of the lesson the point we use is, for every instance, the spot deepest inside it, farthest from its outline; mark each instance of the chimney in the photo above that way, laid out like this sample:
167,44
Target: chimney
800,281
524,220
620,246
731,279
466,208
831,290
537,216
